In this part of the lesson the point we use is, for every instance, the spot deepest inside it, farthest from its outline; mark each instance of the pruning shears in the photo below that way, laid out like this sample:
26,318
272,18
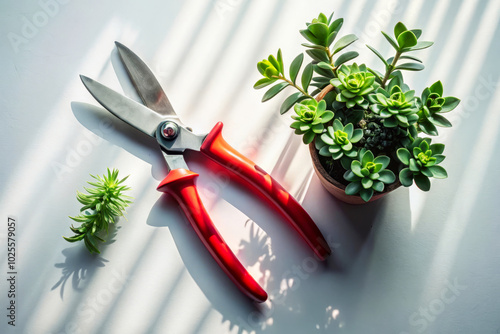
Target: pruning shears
158,119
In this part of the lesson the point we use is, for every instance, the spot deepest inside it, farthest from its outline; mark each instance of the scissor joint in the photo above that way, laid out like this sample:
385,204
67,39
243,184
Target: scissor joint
174,137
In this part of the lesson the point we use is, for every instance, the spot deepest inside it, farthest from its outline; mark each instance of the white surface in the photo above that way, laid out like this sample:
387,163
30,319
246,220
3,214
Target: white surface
430,264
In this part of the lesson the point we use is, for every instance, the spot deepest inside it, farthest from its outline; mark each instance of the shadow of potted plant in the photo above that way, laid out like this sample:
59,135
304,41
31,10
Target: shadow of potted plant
367,131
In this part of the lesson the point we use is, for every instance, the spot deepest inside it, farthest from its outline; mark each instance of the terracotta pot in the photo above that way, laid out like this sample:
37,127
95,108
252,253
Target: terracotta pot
336,188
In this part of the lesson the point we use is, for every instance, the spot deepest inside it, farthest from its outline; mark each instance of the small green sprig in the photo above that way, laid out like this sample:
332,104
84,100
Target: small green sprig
101,205
325,60
406,41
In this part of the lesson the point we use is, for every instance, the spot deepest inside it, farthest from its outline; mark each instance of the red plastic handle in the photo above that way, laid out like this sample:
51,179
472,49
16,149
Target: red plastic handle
180,184
216,148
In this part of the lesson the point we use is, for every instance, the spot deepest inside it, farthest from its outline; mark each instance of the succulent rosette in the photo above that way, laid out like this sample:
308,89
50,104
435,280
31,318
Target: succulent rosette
310,118
432,106
354,83
338,141
368,174
422,159
395,107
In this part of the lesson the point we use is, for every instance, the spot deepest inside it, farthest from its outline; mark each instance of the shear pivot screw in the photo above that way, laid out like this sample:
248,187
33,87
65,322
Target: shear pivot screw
170,130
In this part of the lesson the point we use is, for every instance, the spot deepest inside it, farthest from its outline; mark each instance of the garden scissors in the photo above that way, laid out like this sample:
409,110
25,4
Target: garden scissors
158,119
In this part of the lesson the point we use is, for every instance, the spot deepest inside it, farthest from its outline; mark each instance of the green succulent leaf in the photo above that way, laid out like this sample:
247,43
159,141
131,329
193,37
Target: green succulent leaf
274,62
322,18
378,186
399,28
439,120
295,66
331,38
327,116
309,36
356,135
336,25
426,172
387,176
450,103
345,57
437,88
438,172
345,161
308,137
367,157
320,32
326,66
350,176
404,155
264,82
366,194
356,168
313,46
416,32
437,148
410,57
422,182
378,75
391,41
366,183
407,39
413,165
307,76
318,55
290,101
427,127
410,67
406,177
353,188
344,42
378,55
419,46
274,90
382,159
390,122
280,62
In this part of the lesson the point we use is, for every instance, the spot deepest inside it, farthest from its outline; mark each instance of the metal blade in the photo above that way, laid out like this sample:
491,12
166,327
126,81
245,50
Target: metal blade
128,110
144,81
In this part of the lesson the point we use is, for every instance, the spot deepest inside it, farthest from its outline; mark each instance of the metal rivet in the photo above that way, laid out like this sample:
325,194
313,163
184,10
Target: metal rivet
169,130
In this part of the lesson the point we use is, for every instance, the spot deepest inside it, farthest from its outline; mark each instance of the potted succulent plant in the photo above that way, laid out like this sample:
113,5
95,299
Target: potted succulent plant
367,131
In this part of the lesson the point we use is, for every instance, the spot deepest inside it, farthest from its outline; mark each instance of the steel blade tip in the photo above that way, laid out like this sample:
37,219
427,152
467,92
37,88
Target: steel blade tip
121,47
85,80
